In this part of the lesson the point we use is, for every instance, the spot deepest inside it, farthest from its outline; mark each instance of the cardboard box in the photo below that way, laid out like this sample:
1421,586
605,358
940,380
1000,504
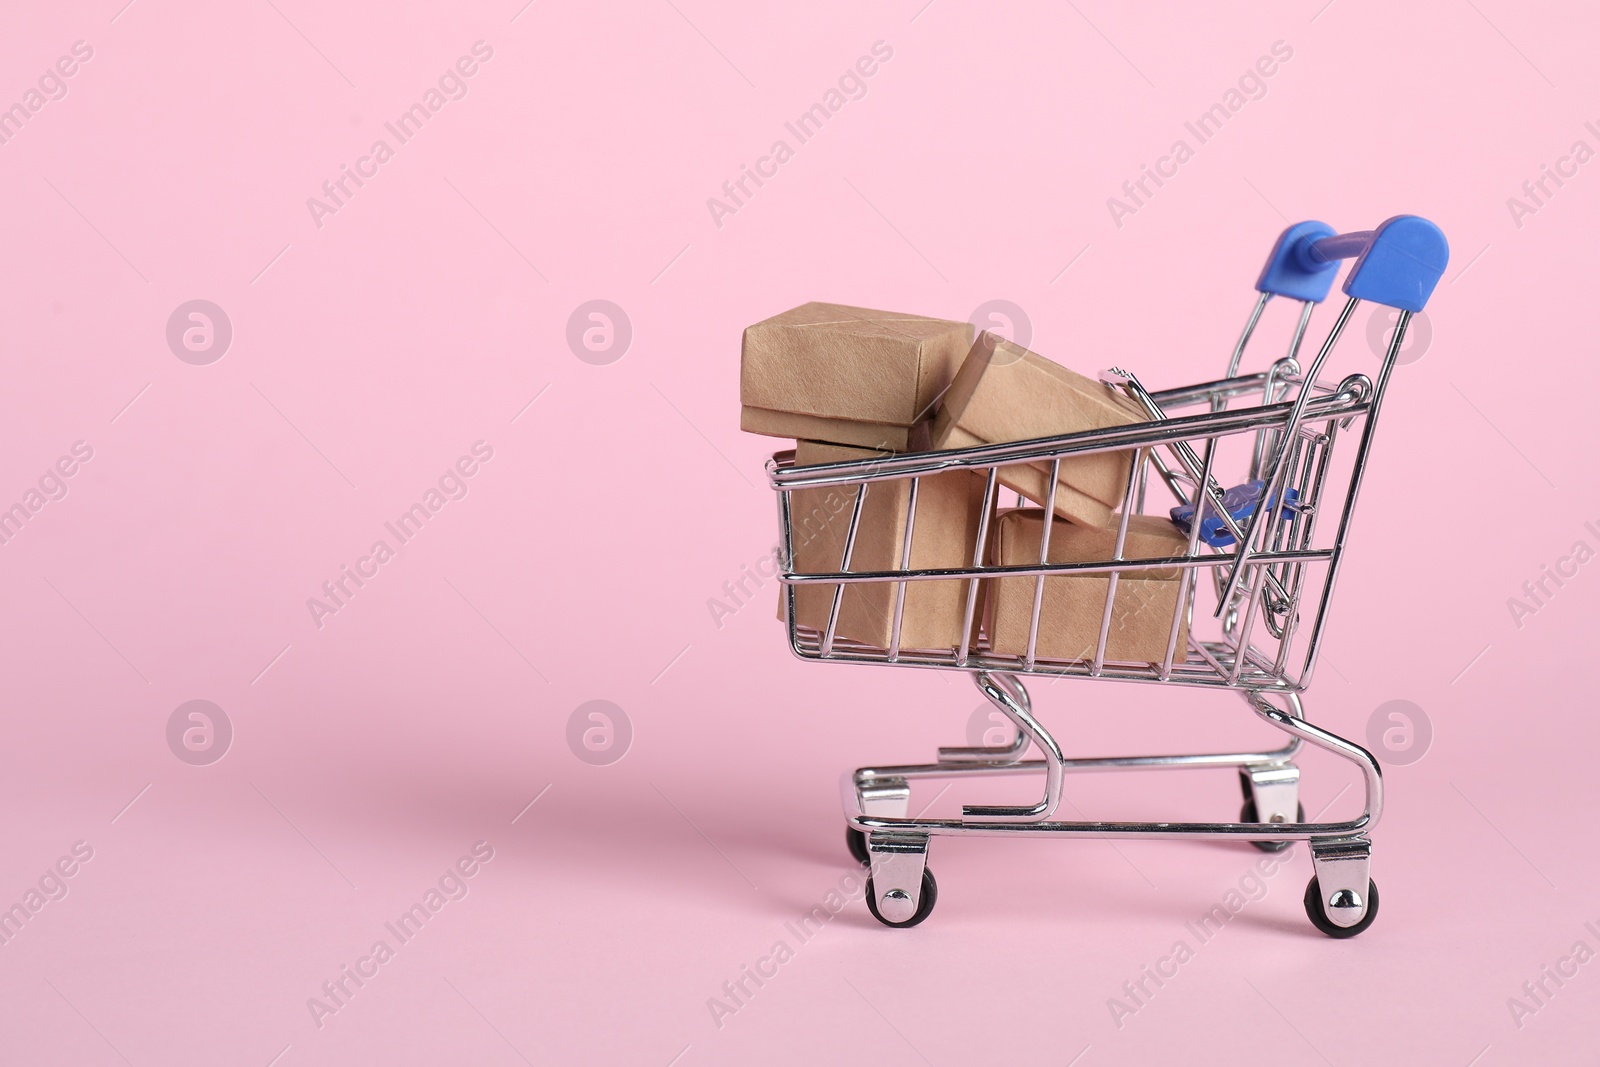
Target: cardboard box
851,376
1003,392
949,507
1071,610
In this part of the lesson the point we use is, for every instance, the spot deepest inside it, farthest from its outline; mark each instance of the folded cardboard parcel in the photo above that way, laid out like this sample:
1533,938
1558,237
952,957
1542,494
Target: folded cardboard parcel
847,375
1003,392
946,531
853,384
1073,607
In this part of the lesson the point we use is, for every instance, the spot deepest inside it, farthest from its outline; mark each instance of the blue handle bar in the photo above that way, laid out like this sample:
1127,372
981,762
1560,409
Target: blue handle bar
1397,265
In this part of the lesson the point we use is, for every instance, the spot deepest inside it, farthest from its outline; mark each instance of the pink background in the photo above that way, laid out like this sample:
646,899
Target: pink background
368,354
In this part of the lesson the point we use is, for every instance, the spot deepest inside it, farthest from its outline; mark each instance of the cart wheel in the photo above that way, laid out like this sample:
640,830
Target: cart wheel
856,841
1319,918
1248,814
930,894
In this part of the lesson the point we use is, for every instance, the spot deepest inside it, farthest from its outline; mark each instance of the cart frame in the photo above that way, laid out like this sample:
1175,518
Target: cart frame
1282,560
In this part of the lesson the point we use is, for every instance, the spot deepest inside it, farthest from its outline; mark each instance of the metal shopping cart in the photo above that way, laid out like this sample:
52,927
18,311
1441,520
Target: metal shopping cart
1272,570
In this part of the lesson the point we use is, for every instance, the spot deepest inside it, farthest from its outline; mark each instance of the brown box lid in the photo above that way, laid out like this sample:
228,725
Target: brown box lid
840,362
1003,392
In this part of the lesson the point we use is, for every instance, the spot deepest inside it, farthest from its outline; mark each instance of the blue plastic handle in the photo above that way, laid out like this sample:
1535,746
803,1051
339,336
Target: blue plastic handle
1397,265
1288,274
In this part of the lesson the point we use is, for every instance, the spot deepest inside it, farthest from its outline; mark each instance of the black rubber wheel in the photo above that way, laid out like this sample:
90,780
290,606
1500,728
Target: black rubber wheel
1319,919
930,895
856,841
1248,814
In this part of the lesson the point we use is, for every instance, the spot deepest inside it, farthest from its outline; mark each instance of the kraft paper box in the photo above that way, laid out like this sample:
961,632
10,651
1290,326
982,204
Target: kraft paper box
1071,609
852,376
945,535
1003,392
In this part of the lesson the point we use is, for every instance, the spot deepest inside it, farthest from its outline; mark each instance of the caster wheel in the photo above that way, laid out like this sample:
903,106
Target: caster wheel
856,841
930,894
1248,814
1320,920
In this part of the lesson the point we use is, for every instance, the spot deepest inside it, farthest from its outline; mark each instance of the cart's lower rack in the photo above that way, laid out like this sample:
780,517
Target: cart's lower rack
1341,899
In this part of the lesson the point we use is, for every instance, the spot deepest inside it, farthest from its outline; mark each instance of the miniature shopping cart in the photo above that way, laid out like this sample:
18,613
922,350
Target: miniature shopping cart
1253,599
